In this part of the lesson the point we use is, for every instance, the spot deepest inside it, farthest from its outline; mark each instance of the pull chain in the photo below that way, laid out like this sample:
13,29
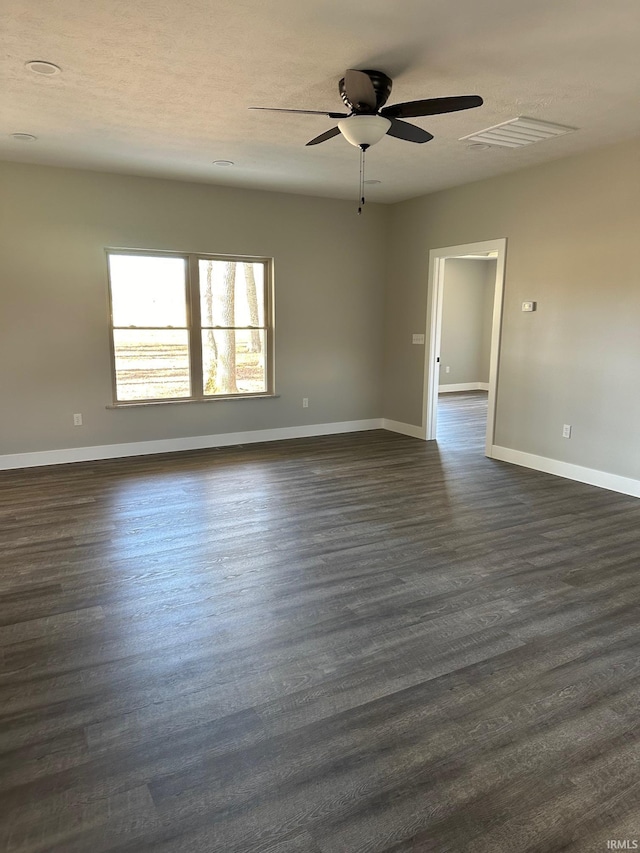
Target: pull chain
363,148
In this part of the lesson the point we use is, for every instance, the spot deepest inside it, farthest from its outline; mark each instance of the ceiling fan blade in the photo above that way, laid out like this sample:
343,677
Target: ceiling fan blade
359,89
404,130
304,112
432,106
328,134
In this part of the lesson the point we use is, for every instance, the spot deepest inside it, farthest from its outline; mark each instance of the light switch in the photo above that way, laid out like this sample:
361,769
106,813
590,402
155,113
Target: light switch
417,339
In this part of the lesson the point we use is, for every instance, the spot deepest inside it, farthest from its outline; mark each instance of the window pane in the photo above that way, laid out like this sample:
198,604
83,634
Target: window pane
151,364
233,362
148,291
231,293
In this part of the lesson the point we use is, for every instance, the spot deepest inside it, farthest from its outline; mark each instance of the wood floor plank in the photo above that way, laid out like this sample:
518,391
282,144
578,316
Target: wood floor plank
347,643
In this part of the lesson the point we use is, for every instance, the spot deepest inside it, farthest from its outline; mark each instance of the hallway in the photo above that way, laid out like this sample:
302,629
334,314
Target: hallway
462,420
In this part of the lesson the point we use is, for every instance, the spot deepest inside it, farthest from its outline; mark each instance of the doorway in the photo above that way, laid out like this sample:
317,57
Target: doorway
495,250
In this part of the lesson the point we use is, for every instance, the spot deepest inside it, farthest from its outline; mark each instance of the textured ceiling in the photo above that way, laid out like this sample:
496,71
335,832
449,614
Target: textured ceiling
161,87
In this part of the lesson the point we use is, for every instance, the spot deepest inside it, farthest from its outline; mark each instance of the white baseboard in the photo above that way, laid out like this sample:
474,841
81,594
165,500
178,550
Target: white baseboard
405,429
613,482
172,445
463,386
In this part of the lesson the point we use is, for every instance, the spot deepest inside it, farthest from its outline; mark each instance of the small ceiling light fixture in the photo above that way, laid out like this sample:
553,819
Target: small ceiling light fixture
223,163
479,146
24,137
41,66
372,181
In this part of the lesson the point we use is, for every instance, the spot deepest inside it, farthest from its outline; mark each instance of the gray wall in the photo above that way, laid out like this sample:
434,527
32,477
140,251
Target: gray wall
572,226
467,305
54,346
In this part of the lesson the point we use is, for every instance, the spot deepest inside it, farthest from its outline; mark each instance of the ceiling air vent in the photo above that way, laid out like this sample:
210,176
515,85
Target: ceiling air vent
518,132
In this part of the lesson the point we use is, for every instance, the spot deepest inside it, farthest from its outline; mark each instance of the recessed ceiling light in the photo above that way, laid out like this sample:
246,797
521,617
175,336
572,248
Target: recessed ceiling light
223,163
39,66
372,181
478,146
24,137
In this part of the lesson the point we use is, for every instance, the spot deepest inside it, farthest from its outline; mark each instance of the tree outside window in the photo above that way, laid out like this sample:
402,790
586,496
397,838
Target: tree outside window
188,327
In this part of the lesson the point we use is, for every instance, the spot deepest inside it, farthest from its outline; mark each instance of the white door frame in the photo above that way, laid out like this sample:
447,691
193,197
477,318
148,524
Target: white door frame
437,257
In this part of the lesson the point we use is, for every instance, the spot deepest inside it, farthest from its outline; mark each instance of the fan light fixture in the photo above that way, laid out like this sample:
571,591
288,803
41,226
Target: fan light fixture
364,131
364,94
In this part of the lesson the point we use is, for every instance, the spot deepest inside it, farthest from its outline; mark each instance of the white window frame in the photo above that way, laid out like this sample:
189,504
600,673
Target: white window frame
194,327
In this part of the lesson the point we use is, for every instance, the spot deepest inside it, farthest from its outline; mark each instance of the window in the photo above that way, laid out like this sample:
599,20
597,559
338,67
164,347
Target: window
189,327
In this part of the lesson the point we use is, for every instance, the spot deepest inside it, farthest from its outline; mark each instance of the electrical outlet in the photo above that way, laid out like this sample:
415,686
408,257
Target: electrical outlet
566,431
305,402
77,419
529,306
447,369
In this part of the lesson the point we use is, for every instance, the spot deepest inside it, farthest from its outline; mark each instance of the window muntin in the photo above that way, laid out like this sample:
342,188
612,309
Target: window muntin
189,327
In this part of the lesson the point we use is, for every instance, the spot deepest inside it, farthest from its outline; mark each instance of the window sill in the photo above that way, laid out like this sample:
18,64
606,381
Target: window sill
222,398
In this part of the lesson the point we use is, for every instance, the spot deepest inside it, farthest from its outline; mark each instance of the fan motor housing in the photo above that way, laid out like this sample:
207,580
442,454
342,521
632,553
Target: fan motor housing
381,86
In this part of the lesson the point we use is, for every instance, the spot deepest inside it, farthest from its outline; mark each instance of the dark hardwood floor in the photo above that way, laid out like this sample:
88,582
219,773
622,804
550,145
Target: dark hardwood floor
332,645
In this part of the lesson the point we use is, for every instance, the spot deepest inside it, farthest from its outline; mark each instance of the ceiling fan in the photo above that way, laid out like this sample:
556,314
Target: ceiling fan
365,94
